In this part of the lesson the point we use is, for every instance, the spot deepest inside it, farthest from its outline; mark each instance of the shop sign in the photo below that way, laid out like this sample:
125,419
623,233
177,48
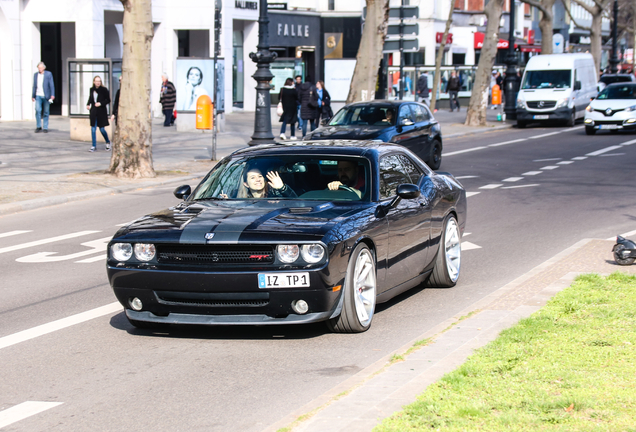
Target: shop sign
440,35
333,45
242,4
287,29
479,42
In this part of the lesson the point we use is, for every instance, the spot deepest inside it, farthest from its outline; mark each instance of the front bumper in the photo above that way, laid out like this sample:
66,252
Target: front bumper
222,298
618,121
557,114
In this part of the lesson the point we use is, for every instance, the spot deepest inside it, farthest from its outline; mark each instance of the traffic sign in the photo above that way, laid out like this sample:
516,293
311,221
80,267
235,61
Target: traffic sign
394,45
409,29
408,12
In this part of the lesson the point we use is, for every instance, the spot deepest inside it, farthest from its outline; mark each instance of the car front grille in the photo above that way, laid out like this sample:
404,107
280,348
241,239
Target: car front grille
608,122
216,300
611,112
215,254
544,104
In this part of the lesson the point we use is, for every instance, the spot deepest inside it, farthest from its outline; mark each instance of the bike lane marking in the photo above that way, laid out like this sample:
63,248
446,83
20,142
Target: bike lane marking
12,233
46,241
23,411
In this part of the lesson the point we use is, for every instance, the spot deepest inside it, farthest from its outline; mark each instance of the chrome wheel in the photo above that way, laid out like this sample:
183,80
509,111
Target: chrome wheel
364,287
452,249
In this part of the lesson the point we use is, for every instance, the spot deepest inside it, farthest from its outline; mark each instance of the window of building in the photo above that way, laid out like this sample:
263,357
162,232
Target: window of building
331,5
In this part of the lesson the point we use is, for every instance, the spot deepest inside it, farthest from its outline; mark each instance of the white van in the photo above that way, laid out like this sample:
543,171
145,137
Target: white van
556,87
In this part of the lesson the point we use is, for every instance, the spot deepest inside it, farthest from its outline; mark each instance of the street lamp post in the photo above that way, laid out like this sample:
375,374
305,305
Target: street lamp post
263,57
614,60
511,84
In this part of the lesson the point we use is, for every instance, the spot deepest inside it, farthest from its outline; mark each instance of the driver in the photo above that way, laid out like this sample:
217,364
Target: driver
348,176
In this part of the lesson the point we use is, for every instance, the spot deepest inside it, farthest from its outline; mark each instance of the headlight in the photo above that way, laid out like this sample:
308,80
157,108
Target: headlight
121,251
288,253
588,108
562,102
144,251
312,253
631,108
521,104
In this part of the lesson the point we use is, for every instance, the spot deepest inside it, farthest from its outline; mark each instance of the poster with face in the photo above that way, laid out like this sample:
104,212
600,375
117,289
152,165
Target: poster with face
195,77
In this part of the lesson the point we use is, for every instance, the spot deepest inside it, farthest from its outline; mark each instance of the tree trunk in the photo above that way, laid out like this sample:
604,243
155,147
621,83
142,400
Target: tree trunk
440,55
595,38
478,105
365,74
546,26
132,143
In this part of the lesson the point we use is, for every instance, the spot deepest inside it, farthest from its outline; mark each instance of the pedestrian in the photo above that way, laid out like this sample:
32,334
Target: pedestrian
299,81
308,105
493,81
115,115
98,100
396,83
43,95
288,97
168,99
324,103
422,89
499,80
453,90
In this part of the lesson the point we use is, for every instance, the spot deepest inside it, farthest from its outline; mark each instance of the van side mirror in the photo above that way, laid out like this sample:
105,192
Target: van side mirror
182,192
577,85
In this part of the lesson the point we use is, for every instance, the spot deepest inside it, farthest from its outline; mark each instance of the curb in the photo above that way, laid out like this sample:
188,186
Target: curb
15,207
330,397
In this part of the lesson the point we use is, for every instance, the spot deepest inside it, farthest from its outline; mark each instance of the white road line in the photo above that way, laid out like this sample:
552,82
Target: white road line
92,259
12,233
469,194
45,241
465,177
507,142
491,186
60,324
546,160
626,143
565,162
464,151
521,186
549,167
512,179
579,158
612,154
96,246
469,246
546,135
529,173
605,150
24,410
466,234
627,234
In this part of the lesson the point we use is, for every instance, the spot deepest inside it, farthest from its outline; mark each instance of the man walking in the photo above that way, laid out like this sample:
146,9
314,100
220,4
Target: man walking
422,89
43,95
168,99
299,81
453,90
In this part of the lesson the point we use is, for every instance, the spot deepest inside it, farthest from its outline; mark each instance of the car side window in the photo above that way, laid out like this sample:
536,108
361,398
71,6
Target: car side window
405,113
410,168
419,113
392,175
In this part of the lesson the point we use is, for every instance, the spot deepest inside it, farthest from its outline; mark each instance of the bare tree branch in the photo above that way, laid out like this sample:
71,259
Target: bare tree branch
584,5
567,10
537,4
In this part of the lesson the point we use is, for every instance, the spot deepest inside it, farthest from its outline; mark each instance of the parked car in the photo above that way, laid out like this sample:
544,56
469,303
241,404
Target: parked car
409,124
608,79
340,227
614,109
556,87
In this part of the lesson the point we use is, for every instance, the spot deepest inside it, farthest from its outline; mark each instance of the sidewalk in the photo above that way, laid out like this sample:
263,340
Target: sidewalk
38,170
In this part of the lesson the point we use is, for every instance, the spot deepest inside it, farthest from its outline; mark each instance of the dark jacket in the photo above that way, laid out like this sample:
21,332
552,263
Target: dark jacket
284,192
289,98
325,111
453,84
116,106
422,86
308,101
47,85
99,115
168,96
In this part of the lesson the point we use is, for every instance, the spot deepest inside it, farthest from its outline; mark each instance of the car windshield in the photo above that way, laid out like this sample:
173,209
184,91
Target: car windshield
541,79
365,115
620,91
615,79
307,177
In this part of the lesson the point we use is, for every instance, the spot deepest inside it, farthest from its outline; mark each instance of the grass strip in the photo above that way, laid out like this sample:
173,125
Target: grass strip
571,366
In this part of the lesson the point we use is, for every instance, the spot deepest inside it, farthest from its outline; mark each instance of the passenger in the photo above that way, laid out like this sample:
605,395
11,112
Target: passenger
255,186
348,175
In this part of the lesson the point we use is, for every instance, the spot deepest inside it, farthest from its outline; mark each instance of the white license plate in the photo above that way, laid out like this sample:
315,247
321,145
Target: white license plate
541,117
609,126
283,280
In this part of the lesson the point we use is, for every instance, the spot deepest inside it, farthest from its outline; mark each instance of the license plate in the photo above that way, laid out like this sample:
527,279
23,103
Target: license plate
283,280
541,117
609,126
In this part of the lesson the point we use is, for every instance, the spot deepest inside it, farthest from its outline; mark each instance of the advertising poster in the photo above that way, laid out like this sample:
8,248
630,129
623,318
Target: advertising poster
194,78
338,74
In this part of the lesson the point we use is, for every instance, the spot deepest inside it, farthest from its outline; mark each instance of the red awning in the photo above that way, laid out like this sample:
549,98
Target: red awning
479,42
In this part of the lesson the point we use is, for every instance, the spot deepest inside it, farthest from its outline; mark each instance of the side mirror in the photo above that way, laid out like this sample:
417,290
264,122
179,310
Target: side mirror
577,85
406,122
408,191
182,192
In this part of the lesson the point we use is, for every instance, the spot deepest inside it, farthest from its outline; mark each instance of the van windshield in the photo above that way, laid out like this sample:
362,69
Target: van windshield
542,79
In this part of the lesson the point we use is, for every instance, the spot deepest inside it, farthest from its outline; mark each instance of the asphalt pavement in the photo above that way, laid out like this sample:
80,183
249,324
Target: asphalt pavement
541,209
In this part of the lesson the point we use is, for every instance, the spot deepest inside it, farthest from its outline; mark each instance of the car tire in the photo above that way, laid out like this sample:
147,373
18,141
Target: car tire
589,130
448,261
521,124
435,157
572,120
618,259
359,293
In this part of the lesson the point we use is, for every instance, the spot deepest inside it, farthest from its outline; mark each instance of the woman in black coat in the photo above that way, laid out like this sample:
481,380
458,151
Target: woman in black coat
308,105
289,98
98,100
324,103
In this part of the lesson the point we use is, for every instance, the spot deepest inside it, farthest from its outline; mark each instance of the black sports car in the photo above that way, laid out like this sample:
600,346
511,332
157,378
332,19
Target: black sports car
409,124
298,233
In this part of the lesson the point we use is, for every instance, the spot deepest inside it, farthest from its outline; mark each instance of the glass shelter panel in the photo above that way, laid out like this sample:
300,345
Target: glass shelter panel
81,74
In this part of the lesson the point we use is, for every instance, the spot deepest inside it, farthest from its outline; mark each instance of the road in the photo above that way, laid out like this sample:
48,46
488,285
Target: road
68,349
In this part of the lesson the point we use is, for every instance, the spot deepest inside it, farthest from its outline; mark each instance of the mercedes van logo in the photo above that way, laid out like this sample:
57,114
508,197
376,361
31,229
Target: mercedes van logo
540,104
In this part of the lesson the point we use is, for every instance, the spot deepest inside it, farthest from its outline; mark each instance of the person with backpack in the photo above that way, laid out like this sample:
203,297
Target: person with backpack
324,103
308,105
288,98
